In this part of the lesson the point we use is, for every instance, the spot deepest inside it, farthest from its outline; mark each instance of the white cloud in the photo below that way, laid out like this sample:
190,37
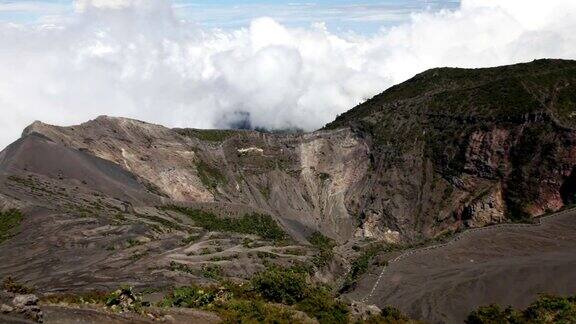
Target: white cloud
133,58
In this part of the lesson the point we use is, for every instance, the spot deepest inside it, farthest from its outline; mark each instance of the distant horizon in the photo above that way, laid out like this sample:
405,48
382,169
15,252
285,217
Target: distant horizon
364,17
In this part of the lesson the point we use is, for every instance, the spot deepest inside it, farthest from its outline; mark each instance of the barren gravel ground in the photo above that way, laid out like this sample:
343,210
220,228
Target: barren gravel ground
507,264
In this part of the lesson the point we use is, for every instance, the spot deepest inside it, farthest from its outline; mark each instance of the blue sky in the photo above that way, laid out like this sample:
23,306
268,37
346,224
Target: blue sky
361,16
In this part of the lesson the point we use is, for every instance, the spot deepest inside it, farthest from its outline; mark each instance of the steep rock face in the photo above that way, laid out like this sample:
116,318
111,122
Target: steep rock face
458,147
306,180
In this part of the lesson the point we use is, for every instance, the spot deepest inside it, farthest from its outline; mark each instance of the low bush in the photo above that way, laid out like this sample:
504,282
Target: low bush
319,303
324,245
9,222
546,309
11,285
259,224
280,285
190,297
360,266
255,311
212,271
388,315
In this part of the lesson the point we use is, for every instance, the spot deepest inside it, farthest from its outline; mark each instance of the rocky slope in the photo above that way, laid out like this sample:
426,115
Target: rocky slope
454,147
446,150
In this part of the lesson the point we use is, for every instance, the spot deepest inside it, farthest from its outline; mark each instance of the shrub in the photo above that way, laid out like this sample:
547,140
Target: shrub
93,297
212,271
280,285
388,315
190,296
11,285
209,176
321,241
552,309
546,309
492,314
124,299
320,304
254,311
211,135
259,224
393,314
360,266
324,245
9,221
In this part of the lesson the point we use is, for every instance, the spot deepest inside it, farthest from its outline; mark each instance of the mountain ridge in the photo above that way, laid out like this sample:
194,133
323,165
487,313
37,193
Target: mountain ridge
446,151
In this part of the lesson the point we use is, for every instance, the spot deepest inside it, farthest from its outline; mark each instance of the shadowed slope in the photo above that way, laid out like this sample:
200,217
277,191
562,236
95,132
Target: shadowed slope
37,154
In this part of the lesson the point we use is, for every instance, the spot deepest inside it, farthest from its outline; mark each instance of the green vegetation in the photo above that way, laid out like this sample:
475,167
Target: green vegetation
325,246
211,135
277,285
133,242
276,295
262,225
440,110
154,189
11,285
295,251
255,311
124,299
265,191
175,266
272,296
189,297
388,315
321,241
191,238
265,254
360,266
208,271
324,176
92,297
547,309
210,176
212,271
320,303
162,221
9,222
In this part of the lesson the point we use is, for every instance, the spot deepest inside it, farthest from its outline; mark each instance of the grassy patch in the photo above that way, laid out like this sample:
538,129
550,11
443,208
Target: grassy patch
546,309
11,285
210,135
132,242
295,251
265,191
179,267
212,271
360,266
191,238
271,296
262,225
266,255
9,222
92,297
210,176
324,245
164,222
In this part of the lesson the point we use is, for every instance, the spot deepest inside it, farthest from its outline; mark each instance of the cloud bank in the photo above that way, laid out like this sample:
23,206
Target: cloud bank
133,58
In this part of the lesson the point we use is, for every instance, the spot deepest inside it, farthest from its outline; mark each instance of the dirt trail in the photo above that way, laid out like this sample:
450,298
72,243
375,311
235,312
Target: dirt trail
460,271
